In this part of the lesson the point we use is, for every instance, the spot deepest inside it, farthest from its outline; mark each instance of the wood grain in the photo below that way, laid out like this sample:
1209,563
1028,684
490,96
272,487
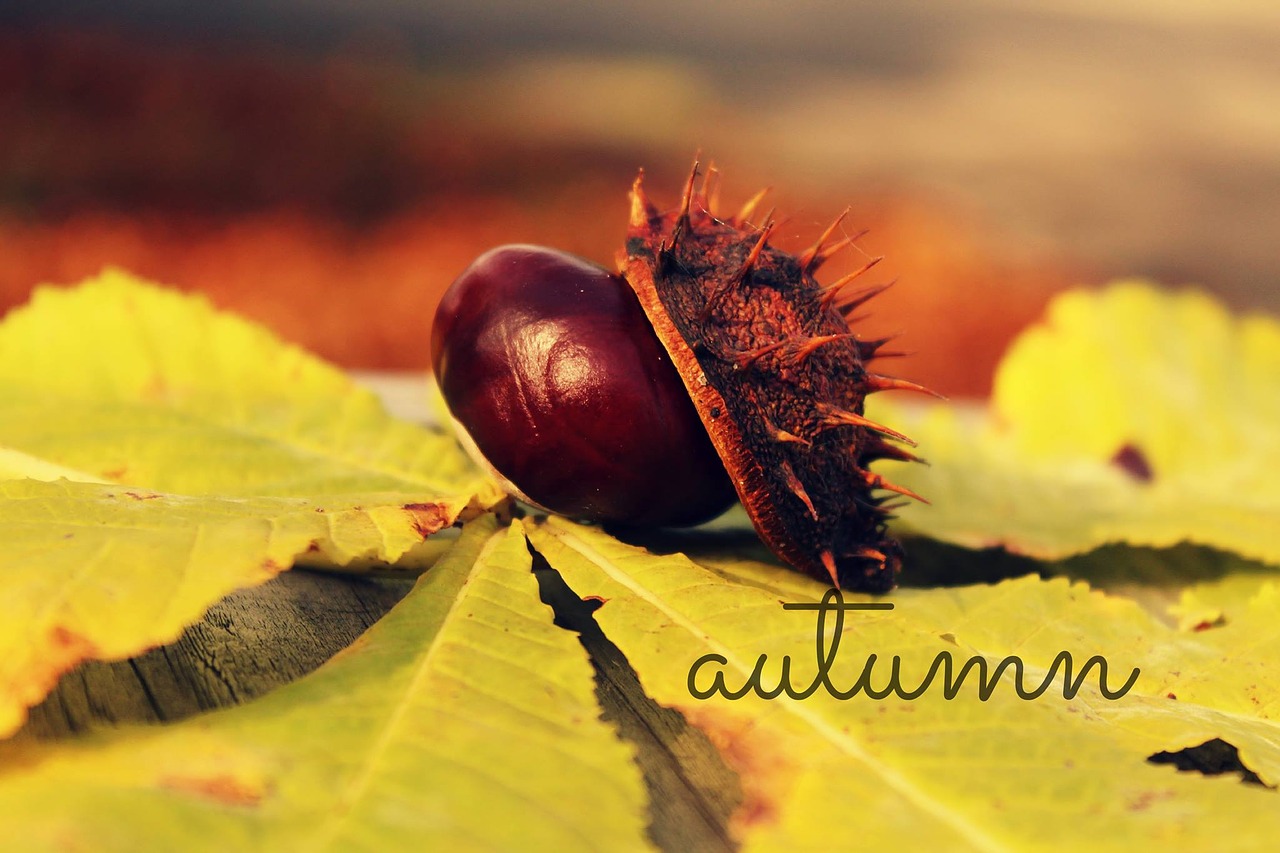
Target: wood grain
249,643
258,639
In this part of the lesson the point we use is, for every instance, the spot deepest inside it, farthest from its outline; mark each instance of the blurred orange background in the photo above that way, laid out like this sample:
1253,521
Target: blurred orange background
330,173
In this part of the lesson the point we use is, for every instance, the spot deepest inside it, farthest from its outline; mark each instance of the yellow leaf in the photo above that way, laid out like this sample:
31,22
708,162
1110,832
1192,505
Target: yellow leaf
1113,386
132,383
464,720
931,773
102,571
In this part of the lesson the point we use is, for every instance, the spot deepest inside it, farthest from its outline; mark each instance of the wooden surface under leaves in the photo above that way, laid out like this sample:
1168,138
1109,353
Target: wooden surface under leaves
262,638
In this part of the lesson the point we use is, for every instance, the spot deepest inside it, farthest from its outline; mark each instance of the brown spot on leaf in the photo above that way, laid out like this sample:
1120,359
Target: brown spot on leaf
64,648
427,518
116,473
754,812
1144,800
763,764
223,789
313,546
156,389
65,639
1133,462
143,496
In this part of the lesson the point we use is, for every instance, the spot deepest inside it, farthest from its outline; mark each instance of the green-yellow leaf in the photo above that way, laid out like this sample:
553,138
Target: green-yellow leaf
1005,774
1130,374
464,720
102,571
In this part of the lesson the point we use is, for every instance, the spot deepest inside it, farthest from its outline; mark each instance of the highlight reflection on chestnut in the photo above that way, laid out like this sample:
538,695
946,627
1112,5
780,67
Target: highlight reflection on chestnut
558,385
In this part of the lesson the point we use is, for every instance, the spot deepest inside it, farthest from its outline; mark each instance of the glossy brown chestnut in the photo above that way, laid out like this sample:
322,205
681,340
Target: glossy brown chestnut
558,382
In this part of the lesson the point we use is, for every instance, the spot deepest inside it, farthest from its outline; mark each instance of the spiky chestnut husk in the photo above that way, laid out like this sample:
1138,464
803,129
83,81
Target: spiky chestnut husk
777,378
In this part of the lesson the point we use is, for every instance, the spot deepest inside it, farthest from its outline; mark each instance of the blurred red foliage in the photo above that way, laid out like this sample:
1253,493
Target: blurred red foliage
334,200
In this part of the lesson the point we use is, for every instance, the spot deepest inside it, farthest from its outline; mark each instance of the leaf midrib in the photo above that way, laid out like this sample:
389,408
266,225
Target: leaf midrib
358,784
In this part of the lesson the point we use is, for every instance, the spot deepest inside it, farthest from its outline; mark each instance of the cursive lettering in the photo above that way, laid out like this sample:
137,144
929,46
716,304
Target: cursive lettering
944,664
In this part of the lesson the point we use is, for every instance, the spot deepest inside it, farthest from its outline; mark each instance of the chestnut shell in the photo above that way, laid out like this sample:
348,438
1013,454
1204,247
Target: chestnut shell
554,375
779,379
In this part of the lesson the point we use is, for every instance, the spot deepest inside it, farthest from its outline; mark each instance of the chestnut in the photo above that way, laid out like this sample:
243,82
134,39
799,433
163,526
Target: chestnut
559,386
715,359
